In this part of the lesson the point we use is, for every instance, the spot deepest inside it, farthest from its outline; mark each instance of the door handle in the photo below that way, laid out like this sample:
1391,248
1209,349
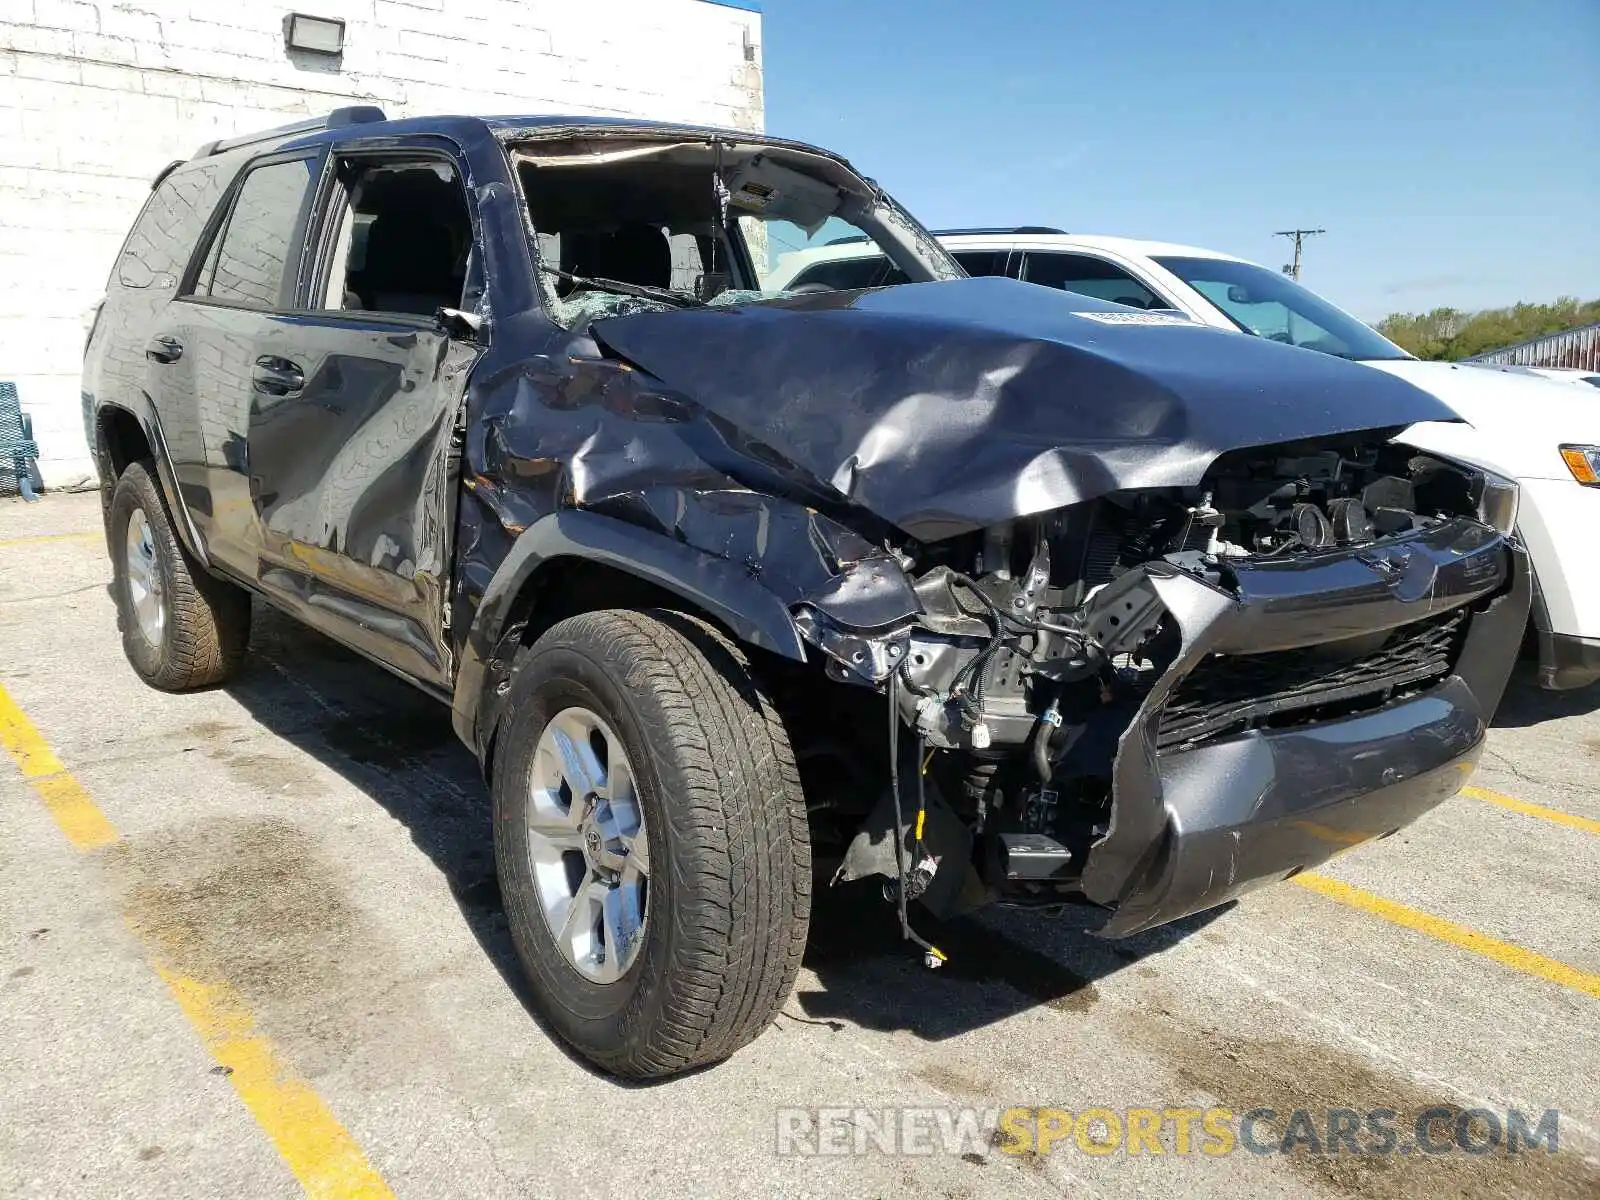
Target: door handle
164,348
277,376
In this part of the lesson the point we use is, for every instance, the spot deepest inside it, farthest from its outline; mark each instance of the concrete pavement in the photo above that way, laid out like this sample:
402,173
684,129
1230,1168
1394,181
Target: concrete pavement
285,969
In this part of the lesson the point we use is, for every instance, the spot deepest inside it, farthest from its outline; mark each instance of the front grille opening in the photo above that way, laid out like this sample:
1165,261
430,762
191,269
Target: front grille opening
1228,694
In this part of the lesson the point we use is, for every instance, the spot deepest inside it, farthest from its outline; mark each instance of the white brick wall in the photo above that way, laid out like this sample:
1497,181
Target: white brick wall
97,95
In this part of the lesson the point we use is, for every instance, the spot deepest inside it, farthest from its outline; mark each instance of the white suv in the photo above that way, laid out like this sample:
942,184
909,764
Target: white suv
1543,434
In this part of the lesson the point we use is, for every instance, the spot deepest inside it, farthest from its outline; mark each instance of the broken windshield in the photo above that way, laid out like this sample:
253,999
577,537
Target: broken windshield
647,225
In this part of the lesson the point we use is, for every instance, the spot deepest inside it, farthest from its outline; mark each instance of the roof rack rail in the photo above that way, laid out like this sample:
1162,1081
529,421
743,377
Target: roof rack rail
356,114
162,174
1007,229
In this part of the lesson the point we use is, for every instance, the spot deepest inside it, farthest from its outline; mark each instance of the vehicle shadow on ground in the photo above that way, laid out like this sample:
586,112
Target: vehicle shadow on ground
398,747
998,963
1526,703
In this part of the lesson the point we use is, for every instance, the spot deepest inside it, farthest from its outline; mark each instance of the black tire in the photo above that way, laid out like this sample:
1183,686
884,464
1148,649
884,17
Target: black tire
206,629
730,878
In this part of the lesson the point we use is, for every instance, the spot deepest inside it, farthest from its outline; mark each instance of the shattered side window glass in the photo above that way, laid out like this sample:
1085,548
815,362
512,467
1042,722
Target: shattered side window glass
734,296
897,221
583,307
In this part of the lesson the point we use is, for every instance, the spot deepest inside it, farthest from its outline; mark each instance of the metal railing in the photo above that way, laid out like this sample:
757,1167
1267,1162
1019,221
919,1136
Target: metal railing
1578,348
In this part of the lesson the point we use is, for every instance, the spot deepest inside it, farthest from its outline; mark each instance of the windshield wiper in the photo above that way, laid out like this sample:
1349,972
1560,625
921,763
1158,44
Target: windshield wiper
639,290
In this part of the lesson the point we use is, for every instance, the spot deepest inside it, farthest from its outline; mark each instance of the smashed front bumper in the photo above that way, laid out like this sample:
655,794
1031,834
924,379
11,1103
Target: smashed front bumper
1201,814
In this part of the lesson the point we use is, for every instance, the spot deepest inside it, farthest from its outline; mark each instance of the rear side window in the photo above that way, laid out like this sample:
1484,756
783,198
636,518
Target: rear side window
171,223
846,274
1091,277
982,262
249,263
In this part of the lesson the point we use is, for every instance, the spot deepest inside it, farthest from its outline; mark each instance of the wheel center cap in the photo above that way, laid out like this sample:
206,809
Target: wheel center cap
594,841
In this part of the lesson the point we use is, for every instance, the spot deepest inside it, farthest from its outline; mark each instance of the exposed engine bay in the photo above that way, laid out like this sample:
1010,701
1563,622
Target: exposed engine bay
1041,641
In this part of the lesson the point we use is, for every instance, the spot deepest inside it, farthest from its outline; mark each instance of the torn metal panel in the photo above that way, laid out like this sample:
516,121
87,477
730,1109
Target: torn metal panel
950,406
571,430
587,432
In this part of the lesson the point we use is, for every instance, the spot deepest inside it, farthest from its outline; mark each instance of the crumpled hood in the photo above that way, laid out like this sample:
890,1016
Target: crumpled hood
944,407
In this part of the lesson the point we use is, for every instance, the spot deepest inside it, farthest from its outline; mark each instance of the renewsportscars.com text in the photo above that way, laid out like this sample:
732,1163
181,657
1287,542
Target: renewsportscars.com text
1180,1130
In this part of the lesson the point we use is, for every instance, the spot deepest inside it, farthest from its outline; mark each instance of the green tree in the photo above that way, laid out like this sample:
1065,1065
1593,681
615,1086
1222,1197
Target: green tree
1450,334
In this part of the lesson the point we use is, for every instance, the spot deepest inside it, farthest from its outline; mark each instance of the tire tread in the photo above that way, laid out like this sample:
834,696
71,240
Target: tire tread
209,619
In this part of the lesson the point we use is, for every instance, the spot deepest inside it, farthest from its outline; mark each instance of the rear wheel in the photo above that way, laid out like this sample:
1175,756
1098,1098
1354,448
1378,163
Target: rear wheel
651,840
181,628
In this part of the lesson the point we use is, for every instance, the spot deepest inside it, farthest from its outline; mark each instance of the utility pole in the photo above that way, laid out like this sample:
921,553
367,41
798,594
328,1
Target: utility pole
1292,270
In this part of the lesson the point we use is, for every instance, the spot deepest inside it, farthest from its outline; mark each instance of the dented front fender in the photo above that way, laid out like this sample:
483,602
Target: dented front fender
718,587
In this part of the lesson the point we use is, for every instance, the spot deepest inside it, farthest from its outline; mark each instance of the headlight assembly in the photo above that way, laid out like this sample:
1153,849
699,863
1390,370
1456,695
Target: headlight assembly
1497,503
1584,463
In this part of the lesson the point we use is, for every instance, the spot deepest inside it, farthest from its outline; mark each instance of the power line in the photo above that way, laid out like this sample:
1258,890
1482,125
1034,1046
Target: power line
1292,270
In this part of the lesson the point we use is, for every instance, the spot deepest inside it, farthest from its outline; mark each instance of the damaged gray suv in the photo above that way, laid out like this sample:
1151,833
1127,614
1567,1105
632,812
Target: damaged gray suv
1001,594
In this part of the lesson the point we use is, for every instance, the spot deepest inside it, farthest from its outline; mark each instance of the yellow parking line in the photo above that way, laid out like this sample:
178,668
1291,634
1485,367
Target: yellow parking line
320,1151
78,816
75,812
1533,810
1518,958
53,537
316,1147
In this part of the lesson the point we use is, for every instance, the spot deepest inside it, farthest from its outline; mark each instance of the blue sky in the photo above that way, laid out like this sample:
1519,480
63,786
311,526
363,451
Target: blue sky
1450,147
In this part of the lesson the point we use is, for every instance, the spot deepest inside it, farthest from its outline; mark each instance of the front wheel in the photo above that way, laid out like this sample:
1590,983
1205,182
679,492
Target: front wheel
651,840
